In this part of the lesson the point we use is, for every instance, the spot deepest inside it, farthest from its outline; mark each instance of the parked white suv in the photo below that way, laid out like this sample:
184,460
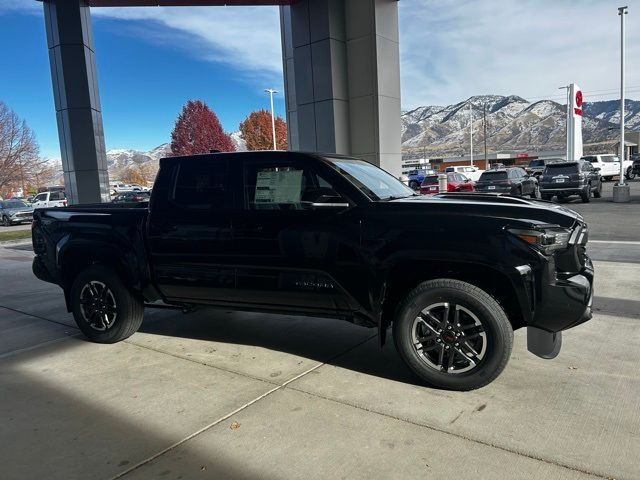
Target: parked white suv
468,171
609,165
50,199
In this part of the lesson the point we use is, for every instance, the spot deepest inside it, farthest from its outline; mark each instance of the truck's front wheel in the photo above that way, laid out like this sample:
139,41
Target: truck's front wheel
453,334
103,307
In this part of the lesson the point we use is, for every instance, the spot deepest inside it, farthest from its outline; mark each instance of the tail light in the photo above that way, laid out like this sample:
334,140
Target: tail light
64,203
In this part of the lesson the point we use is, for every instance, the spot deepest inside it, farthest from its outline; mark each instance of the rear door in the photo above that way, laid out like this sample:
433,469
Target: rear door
189,231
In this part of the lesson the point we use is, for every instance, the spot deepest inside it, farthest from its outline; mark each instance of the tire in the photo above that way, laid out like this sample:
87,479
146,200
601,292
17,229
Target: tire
414,185
474,311
6,222
629,174
585,195
124,310
598,191
607,179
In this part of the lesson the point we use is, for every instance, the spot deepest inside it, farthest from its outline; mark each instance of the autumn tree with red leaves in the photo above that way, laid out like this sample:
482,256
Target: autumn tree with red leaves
257,131
198,130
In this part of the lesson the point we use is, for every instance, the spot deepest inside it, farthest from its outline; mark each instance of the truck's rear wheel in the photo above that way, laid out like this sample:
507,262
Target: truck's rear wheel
453,334
103,308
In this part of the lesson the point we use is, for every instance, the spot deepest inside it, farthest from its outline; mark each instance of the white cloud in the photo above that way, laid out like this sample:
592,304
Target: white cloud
246,38
451,50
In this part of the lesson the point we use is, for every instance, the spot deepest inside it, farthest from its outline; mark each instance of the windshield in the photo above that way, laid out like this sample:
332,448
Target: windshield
609,159
561,168
536,163
491,176
371,180
14,204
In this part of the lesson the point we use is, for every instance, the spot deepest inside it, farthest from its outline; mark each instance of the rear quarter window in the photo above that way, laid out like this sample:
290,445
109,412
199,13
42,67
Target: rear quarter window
492,176
560,169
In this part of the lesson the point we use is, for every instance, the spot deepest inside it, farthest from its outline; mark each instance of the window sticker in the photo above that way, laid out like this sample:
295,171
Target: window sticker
282,186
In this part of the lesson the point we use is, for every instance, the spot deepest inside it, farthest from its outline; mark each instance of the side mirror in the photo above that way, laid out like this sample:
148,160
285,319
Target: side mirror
321,198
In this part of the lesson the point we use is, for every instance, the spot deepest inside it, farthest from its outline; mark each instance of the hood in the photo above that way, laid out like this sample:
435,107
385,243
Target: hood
11,211
492,205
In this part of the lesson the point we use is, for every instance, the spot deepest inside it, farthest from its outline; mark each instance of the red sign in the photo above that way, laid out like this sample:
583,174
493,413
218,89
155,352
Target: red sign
522,155
578,109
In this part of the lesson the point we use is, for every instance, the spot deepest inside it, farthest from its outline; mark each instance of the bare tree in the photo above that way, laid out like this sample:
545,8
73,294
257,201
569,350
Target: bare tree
18,151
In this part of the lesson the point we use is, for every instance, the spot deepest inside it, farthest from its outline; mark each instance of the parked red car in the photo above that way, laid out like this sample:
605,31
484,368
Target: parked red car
456,182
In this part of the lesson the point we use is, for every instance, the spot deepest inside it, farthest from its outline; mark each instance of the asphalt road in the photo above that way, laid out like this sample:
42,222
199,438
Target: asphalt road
218,394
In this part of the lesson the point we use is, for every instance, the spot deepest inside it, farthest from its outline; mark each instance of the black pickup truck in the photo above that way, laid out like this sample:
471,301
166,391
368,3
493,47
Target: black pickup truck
325,235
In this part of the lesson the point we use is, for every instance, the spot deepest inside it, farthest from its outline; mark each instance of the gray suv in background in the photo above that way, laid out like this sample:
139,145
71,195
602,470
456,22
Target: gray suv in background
537,166
570,178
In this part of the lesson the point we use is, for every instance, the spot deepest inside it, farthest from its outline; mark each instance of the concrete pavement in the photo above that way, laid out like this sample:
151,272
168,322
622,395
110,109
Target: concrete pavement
216,394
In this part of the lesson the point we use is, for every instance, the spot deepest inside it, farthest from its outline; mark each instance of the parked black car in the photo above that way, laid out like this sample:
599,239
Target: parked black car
130,197
510,180
326,235
15,211
571,178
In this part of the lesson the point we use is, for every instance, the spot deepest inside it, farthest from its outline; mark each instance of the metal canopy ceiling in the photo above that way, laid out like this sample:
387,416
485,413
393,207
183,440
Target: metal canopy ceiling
183,3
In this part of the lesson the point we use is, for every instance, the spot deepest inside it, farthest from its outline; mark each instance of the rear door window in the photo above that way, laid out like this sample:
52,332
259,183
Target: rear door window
202,185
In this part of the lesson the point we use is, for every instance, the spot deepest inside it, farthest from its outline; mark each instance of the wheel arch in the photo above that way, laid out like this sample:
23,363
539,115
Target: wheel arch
75,256
408,274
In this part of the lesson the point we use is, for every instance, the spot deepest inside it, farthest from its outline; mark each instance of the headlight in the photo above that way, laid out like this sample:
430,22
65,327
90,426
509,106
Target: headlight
547,240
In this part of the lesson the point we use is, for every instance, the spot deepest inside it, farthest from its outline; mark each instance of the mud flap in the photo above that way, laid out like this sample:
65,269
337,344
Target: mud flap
542,343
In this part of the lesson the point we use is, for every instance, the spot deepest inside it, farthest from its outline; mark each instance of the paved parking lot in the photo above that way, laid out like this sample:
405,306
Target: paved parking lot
216,394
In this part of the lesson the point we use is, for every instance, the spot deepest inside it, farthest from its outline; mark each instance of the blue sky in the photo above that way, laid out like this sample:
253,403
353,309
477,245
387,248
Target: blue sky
151,60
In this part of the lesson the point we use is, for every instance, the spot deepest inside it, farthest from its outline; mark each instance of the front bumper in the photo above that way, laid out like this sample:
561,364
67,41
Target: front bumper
565,300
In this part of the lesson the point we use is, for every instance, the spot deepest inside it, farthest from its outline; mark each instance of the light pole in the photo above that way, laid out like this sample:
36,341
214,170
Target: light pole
271,91
567,88
622,11
471,131
621,192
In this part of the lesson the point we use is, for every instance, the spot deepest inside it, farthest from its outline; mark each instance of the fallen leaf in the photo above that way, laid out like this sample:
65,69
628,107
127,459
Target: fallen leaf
234,426
571,367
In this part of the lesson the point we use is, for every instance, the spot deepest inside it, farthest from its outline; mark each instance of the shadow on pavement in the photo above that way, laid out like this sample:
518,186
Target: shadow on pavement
48,431
301,336
617,306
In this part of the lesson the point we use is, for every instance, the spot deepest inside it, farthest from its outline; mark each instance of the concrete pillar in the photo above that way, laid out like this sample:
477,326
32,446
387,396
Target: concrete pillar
77,103
342,78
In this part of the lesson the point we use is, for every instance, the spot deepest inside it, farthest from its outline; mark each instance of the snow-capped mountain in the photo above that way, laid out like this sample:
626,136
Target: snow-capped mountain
513,123
609,110
121,158
238,141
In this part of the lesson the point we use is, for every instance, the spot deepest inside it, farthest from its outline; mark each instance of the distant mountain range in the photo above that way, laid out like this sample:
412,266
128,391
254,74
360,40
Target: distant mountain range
119,158
513,123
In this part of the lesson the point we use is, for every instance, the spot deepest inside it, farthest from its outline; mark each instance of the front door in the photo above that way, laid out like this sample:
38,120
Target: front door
190,231
294,237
